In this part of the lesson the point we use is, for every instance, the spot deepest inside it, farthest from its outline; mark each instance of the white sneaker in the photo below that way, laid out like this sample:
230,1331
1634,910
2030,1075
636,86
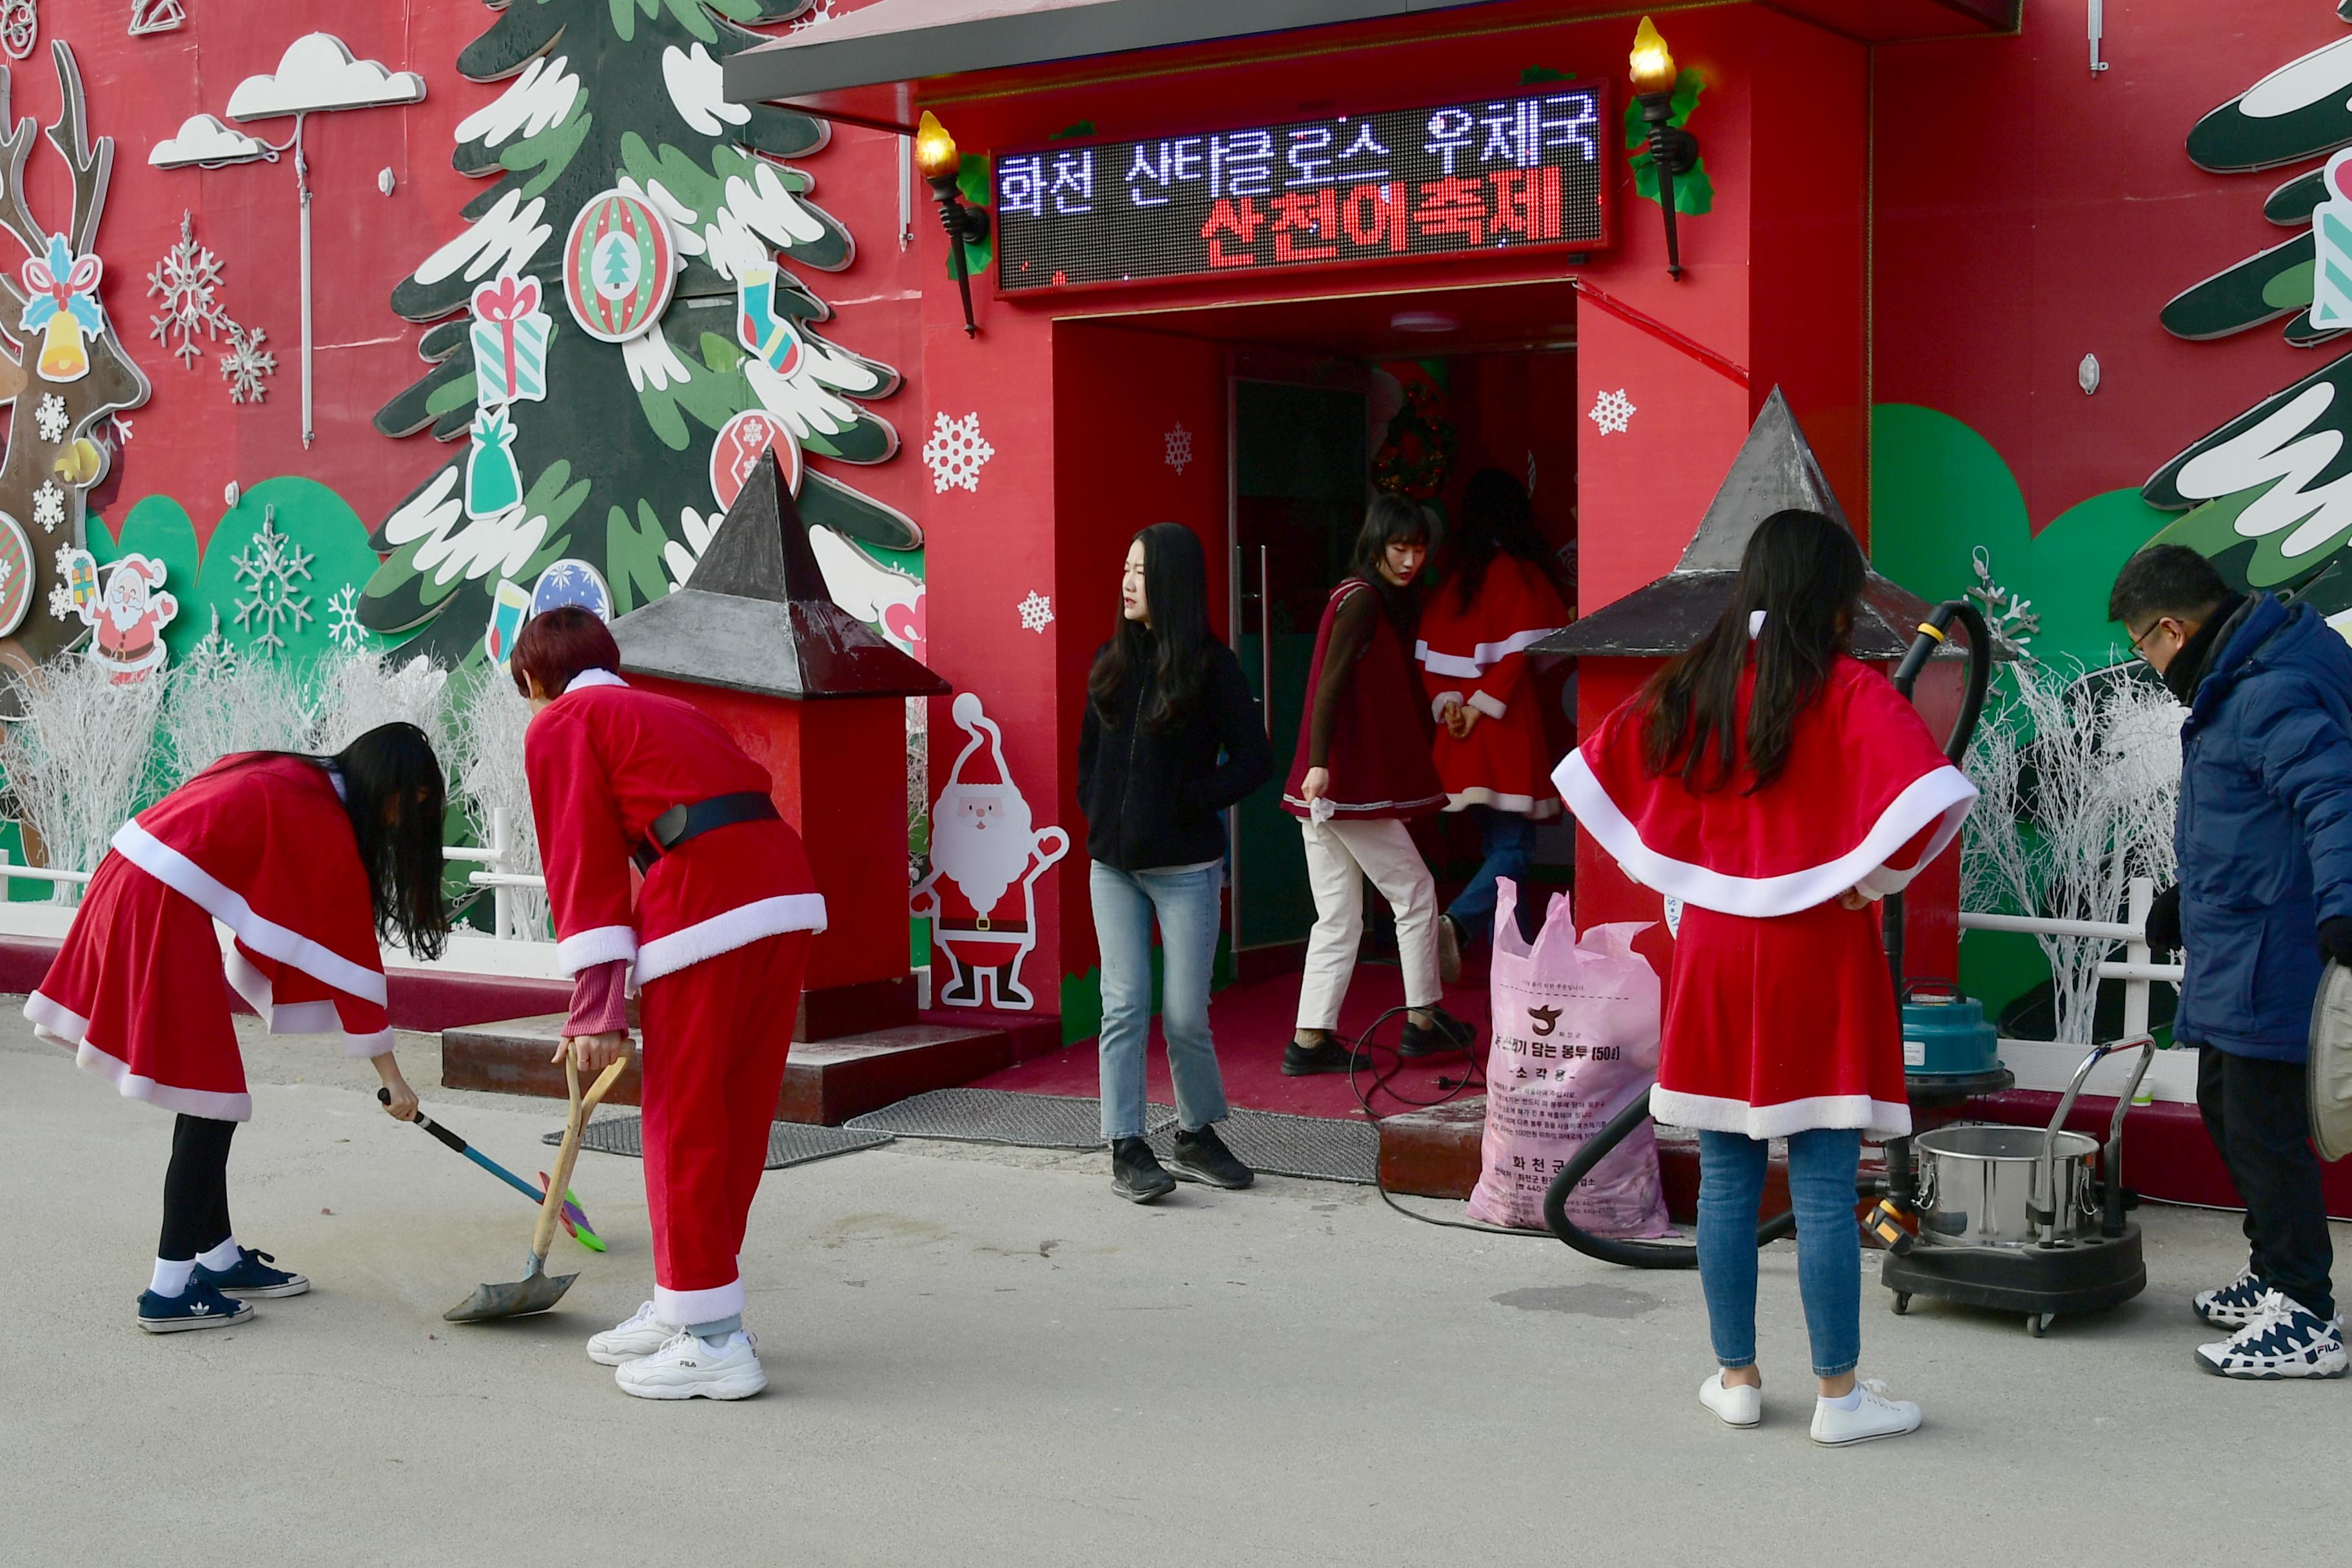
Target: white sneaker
686,1368
640,1336
1878,1415
1739,1405
2285,1340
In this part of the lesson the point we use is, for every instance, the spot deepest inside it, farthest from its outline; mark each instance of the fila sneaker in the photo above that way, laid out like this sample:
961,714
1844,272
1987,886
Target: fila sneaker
198,1307
251,1276
687,1368
2285,1340
623,1342
2234,1305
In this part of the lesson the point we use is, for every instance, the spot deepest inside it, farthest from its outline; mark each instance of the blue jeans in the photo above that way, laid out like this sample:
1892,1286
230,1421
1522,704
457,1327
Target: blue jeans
1186,903
1507,841
1822,1164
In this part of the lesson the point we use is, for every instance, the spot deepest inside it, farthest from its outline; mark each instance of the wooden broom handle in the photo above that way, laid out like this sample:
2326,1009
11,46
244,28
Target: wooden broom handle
551,1206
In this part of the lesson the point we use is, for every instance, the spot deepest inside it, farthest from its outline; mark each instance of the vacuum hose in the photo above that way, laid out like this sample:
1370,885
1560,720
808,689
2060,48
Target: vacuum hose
1683,1254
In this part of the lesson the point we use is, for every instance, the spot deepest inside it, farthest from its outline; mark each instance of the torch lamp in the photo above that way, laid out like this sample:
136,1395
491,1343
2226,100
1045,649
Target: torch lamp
1673,151
938,160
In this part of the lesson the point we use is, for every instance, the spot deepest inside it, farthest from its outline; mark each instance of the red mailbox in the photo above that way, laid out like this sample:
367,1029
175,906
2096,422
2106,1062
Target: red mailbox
818,698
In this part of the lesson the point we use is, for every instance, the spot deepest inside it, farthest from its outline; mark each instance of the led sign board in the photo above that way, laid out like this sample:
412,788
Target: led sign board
1481,176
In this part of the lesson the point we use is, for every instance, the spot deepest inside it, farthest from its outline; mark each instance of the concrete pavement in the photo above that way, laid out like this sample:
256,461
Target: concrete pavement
979,1356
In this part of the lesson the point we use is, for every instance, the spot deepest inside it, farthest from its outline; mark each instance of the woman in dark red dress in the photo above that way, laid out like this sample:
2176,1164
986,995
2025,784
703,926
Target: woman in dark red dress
307,861
1777,786
1362,772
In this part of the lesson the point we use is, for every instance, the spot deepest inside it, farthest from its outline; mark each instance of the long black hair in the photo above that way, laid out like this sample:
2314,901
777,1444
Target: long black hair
1170,654
1804,573
1390,519
1496,520
396,800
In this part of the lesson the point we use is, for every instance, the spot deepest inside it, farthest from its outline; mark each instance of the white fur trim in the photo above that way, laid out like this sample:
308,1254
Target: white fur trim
1756,624
1483,657
61,1026
1441,703
738,927
1879,1118
362,1047
266,937
1941,797
1525,805
1486,704
687,1308
294,1018
589,679
587,949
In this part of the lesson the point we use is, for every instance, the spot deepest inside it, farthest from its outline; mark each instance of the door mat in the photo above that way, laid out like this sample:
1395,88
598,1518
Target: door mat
789,1142
1003,1116
1321,1148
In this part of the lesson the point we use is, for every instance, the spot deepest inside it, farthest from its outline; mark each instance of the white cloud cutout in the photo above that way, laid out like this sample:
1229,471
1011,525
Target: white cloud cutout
318,72
201,138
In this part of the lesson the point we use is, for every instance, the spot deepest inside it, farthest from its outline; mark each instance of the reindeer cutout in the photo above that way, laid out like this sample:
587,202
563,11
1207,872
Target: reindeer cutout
97,378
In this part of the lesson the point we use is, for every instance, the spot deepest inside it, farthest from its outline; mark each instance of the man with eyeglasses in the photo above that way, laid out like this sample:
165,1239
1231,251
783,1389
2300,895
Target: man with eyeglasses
2264,836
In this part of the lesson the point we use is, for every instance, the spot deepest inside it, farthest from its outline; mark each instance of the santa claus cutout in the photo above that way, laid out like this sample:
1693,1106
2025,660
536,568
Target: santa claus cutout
981,897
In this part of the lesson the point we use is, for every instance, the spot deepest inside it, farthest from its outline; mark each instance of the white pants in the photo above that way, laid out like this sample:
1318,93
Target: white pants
1338,854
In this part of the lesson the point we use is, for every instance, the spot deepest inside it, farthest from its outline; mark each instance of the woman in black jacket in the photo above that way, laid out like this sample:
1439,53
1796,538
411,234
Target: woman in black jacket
1170,740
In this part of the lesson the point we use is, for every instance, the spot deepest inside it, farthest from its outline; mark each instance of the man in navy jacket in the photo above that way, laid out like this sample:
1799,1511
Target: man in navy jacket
2265,897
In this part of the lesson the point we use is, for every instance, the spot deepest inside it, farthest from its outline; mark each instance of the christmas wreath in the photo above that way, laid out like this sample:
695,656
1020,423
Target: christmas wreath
1419,452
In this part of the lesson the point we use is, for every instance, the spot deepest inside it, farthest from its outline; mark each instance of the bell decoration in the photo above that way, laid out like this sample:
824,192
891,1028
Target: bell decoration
61,304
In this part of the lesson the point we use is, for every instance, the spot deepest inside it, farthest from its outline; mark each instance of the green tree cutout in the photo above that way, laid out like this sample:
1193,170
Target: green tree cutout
2262,493
621,94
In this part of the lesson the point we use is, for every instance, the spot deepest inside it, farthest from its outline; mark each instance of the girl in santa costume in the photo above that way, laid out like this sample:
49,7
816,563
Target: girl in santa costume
1778,787
718,937
1498,601
1362,772
307,861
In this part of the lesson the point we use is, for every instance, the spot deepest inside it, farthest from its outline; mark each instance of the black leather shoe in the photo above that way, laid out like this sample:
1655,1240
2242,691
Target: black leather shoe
1203,1157
1447,1035
1303,1062
1136,1174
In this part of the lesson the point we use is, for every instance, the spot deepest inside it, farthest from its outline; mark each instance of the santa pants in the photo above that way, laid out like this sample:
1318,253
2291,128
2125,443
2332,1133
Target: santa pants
716,1036
1341,854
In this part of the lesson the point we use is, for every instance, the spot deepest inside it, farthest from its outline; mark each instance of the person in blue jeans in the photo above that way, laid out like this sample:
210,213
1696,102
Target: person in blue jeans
1171,739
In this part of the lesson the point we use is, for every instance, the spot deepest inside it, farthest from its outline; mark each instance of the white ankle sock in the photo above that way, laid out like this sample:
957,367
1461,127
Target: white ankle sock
220,1257
1853,1400
172,1276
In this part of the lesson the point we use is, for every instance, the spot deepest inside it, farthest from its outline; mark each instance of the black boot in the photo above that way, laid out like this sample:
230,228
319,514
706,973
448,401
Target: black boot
1135,1172
1445,1035
1203,1157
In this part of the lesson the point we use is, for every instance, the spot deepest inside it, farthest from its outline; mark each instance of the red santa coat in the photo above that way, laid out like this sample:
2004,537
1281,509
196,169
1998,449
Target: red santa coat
603,761
1477,656
1779,1013
260,844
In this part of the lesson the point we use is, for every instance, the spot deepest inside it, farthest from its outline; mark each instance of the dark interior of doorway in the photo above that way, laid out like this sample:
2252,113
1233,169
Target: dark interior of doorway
1312,437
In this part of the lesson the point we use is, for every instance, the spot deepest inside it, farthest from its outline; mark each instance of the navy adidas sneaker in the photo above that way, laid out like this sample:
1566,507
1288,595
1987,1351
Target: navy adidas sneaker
251,1276
198,1307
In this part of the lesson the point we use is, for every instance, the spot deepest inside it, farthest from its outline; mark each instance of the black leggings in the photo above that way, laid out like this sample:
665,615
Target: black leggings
195,1189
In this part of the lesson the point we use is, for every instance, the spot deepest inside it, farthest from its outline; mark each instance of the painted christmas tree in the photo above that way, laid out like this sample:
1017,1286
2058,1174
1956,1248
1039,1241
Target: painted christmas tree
581,379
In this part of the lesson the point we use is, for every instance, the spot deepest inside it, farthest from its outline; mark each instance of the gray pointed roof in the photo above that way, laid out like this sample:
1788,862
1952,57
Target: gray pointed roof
1775,471
756,615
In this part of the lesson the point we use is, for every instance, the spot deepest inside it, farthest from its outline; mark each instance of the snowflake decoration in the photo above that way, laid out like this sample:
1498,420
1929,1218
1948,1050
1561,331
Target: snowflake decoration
212,655
1036,612
61,604
955,452
48,506
246,364
343,627
270,564
1179,448
2008,615
1613,411
817,14
156,16
20,27
188,281
50,414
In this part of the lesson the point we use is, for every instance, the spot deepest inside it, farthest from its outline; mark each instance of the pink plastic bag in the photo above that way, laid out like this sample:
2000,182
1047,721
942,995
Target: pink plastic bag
1576,1039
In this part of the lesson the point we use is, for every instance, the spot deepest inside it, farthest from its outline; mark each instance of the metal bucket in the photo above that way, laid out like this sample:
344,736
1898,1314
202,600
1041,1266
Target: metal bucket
1991,1187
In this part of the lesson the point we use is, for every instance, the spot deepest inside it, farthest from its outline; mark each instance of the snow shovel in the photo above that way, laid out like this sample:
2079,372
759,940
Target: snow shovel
537,1289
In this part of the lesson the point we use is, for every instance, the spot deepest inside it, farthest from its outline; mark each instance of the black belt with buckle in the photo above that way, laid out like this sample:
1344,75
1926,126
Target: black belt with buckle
681,823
